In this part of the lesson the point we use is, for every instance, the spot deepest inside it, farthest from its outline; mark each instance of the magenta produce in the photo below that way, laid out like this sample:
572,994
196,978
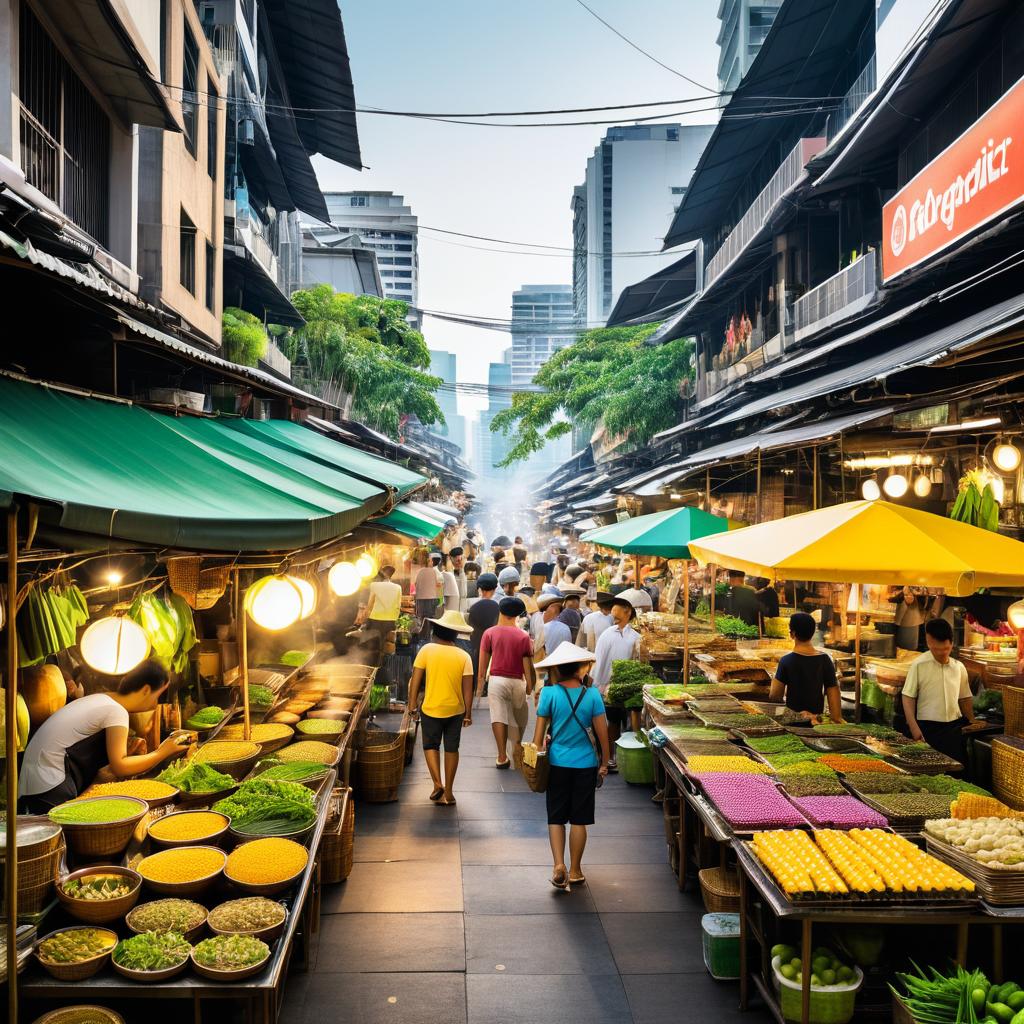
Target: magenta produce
839,812
750,801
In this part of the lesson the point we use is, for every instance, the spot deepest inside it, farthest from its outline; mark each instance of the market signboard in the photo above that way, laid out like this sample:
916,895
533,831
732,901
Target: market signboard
974,180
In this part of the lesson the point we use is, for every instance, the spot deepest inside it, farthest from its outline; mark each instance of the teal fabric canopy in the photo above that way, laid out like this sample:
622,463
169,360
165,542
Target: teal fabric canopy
410,521
666,534
110,469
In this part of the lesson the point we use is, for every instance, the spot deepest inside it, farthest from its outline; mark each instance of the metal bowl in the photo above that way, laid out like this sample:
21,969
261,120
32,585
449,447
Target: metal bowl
150,976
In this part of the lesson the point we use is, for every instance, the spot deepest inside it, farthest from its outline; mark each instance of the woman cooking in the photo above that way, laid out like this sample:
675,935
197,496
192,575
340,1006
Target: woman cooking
65,754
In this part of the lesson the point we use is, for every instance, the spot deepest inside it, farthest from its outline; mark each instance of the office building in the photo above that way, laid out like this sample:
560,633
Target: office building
634,182
445,366
745,24
542,323
341,260
387,225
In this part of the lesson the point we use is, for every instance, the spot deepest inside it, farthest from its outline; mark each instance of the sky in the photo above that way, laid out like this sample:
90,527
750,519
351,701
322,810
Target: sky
449,56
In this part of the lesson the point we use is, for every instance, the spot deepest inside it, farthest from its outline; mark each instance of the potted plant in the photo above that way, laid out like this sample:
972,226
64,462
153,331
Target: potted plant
403,629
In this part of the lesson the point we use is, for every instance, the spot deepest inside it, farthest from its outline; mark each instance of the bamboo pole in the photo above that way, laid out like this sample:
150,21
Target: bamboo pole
758,499
686,621
11,749
241,626
714,580
856,660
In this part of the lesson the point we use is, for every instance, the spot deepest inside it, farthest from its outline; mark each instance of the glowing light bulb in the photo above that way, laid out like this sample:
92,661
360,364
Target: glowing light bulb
274,602
923,486
367,565
114,578
1015,615
1006,457
344,579
870,489
114,645
895,485
309,594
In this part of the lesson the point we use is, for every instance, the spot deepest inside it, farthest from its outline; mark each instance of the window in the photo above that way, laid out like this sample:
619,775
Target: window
212,106
672,134
402,248
190,89
679,190
357,200
211,278
401,273
187,253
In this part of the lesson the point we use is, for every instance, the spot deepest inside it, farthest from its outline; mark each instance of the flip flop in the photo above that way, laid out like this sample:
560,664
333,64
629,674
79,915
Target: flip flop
563,883
500,765
582,880
446,803
437,794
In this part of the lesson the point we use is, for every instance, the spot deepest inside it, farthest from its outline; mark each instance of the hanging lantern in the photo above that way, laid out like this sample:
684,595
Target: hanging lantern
870,489
895,485
344,579
1006,457
309,595
114,645
274,602
367,565
1015,615
923,485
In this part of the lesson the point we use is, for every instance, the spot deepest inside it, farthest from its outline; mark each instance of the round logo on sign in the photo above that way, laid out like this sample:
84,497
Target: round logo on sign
898,233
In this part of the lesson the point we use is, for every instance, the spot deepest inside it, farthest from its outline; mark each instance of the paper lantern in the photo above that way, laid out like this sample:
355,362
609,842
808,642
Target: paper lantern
895,485
344,579
114,645
367,565
274,602
309,595
923,485
1006,457
1015,615
870,489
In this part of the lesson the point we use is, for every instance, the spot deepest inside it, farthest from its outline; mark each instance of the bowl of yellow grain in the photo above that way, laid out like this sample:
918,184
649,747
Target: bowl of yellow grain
234,757
156,794
188,828
270,736
182,870
266,867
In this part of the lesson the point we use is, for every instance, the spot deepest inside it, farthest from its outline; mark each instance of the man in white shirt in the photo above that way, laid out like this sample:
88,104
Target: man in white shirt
555,632
619,642
458,573
597,621
937,696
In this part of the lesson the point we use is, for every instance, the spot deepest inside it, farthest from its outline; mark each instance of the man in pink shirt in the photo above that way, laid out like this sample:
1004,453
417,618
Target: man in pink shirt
507,652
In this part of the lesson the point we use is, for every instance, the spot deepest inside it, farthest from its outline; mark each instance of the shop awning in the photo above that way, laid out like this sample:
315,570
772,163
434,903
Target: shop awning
104,468
409,522
657,296
665,534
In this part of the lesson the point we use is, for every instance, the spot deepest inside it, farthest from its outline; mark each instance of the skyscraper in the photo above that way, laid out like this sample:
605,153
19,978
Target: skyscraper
745,24
490,448
444,365
634,182
542,322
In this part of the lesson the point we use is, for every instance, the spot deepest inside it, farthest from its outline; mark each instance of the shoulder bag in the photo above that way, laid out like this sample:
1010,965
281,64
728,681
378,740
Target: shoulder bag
536,767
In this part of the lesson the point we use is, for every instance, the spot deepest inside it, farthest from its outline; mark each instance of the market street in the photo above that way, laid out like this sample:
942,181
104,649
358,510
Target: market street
447,909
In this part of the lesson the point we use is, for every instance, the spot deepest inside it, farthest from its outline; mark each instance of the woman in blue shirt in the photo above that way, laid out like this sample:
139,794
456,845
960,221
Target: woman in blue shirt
570,708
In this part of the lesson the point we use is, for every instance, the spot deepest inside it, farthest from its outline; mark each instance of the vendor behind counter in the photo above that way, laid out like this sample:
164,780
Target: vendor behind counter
69,749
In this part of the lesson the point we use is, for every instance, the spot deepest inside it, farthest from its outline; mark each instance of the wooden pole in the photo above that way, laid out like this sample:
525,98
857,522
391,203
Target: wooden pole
686,621
707,490
714,580
856,660
757,504
814,495
11,749
636,571
241,625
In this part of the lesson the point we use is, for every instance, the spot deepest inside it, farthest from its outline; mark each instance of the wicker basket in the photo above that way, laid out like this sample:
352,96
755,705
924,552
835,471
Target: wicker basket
1008,770
1013,710
100,911
104,839
200,588
36,877
380,765
70,1014
720,888
337,851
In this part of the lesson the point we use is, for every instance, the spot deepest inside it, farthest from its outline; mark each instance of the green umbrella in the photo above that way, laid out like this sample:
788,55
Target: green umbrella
666,534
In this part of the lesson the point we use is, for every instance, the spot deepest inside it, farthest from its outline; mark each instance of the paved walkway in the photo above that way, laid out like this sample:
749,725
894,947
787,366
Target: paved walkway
448,915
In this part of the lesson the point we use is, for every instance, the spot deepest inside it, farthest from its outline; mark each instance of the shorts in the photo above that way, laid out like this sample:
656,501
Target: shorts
435,730
506,698
570,795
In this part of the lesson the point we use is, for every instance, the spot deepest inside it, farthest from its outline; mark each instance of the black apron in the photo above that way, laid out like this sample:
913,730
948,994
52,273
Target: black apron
82,762
946,737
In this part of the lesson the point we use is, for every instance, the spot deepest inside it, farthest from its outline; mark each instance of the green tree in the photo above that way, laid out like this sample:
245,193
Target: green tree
362,345
606,376
245,340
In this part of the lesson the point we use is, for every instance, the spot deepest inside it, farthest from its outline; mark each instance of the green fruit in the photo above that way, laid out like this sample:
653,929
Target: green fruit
978,998
783,952
1000,1011
788,971
1019,1018
796,962
1015,1001
846,974
815,981
820,964
828,977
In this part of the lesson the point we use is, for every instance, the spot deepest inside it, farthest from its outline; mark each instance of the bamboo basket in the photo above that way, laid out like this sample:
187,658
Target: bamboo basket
36,878
380,765
338,850
71,1013
720,888
1008,770
1013,710
200,588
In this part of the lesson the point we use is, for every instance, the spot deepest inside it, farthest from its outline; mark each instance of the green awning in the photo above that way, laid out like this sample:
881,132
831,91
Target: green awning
409,522
665,534
118,471
303,441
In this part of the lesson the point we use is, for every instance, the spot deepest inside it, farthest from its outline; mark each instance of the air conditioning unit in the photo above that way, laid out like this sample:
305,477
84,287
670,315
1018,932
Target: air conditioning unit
246,132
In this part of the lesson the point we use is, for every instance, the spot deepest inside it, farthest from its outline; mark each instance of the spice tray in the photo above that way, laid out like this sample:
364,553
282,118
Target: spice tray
998,886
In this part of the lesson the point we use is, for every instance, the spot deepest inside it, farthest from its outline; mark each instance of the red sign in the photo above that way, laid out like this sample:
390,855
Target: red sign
974,180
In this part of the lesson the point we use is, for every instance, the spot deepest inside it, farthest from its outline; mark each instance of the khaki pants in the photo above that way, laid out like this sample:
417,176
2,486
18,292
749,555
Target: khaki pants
507,700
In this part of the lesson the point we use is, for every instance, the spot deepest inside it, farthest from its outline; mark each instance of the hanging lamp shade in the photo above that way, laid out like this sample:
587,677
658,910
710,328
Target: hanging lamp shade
310,595
274,602
114,645
344,579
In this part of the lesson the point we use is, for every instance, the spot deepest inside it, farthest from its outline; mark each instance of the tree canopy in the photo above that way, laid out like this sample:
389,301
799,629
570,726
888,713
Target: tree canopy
243,336
362,345
606,376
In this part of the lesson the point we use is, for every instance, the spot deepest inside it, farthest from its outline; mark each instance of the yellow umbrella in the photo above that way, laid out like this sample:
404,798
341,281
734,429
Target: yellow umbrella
870,542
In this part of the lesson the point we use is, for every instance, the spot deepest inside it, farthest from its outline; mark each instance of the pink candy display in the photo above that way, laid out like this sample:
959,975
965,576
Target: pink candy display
839,812
749,801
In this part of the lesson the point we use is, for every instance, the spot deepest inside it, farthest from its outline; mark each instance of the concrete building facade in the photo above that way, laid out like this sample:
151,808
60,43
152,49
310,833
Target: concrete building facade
542,323
634,182
745,24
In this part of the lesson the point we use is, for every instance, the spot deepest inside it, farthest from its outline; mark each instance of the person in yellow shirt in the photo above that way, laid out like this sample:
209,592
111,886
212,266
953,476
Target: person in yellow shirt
444,671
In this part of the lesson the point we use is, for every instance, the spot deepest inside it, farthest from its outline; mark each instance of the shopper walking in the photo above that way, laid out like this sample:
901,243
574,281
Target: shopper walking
620,642
596,622
444,672
555,632
568,711
570,613
506,665
519,554
508,580
483,613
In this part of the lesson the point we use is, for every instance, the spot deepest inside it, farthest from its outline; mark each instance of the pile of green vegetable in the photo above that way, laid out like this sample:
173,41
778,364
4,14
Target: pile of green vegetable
169,915
101,811
230,952
735,628
206,718
152,951
380,697
786,743
959,997
989,701
626,688
260,696
191,776
294,659
292,771
269,807
48,622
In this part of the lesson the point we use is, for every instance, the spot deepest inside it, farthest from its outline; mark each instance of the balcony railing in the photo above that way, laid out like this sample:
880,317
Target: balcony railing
839,297
861,89
785,179
277,360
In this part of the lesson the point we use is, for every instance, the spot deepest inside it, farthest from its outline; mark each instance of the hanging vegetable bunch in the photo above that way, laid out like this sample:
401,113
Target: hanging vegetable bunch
976,503
169,625
48,622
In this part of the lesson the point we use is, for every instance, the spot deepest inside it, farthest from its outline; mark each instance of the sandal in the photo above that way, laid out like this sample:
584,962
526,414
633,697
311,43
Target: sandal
560,879
500,765
582,880
437,794
446,803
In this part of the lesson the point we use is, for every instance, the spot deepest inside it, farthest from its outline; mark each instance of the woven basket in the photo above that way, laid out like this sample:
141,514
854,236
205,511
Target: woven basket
107,839
1013,710
200,588
380,765
36,878
338,849
1008,770
720,888
70,1014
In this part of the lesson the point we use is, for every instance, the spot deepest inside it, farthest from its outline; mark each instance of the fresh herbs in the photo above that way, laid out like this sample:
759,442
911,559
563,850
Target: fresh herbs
735,628
193,776
260,696
230,952
246,915
205,719
152,951
295,771
626,688
167,916
267,807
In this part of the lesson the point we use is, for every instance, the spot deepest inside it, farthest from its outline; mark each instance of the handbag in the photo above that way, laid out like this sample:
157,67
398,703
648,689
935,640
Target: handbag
536,767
